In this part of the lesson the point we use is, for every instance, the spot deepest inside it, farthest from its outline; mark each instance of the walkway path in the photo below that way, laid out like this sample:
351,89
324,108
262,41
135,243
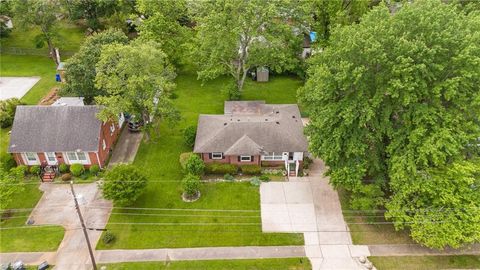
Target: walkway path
207,253
126,148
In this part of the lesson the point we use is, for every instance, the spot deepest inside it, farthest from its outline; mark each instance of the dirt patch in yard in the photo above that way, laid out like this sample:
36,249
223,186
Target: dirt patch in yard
50,97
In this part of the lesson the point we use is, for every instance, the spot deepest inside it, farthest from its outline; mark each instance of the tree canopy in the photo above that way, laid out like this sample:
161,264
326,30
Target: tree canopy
80,68
41,14
123,184
396,97
137,79
234,36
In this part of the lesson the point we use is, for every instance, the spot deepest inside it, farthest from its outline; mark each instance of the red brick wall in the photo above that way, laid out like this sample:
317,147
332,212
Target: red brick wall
230,159
18,158
273,163
110,138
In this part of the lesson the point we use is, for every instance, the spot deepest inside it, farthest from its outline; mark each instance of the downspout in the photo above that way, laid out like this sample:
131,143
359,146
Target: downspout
98,160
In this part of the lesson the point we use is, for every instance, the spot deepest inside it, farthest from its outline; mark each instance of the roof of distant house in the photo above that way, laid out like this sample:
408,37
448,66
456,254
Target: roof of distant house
251,128
69,101
55,129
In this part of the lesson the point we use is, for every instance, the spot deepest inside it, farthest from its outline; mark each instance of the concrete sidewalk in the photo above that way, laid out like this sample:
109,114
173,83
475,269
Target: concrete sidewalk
207,253
417,250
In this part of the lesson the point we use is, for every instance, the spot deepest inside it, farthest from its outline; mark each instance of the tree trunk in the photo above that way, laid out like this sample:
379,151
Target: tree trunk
146,126
51,48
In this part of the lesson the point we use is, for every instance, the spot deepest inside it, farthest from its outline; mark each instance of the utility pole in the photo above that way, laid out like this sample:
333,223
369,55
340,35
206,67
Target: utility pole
83,227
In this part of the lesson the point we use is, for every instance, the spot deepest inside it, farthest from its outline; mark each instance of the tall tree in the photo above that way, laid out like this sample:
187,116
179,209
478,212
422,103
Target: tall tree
41,14
234,36
80,68
396,95
168,24
137,79
93,11
326,14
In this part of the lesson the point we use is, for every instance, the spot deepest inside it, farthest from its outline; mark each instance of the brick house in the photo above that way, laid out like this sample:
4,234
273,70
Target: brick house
252,132
52,135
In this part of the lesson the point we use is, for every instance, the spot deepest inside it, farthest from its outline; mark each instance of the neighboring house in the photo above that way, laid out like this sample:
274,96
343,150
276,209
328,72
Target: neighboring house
69,101
51,135
252,132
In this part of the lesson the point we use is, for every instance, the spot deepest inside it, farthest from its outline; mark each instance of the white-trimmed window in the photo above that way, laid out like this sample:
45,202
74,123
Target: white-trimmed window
217,155
31,158
104,145
77,157
273,156
245,158
51,159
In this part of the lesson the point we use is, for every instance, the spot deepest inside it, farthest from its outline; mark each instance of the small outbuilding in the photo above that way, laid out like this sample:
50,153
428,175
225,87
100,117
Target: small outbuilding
262,74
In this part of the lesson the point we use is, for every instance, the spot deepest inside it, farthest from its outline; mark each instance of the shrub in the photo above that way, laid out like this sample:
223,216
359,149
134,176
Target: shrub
232,92
220,168
195,165
307,162
184,157
264,178
191,184
94,169
123,184
7,111
228,177
251,169
66,177
189,135
23,168
108,238
77,169
63,168
255,181
35,170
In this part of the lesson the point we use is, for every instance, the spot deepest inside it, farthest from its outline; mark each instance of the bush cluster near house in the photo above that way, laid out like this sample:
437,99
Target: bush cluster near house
221,168
123,184
191,186
189,135
35,170
251,169
7,111
77,169
194,165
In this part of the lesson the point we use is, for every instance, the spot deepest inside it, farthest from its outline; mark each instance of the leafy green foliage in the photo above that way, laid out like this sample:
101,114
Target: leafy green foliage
184,157
228,177
41,14
11,182
195,165
441,206
35,170
251,169
396,96
108,238
80,68
63,168
234,36
123,184
255,181
92,11
137,78
220,168
7,111
264,178
189,135
94,169
167,23
77,169
191,184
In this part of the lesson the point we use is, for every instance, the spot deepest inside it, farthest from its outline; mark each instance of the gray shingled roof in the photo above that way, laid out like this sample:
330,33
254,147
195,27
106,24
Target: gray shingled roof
55,128
253,127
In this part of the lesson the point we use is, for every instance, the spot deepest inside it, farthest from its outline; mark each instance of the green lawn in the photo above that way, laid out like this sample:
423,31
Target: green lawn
426,262
159,159
27,239
69,38
267,264
28,65
371,234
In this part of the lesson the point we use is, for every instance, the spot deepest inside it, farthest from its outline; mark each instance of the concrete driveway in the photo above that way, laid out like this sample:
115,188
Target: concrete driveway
16,87
57,207
309,205
126,148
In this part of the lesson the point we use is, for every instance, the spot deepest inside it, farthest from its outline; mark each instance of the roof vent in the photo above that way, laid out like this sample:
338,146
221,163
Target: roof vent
238,120
266,119
278,123
293,116
224,124
277,112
